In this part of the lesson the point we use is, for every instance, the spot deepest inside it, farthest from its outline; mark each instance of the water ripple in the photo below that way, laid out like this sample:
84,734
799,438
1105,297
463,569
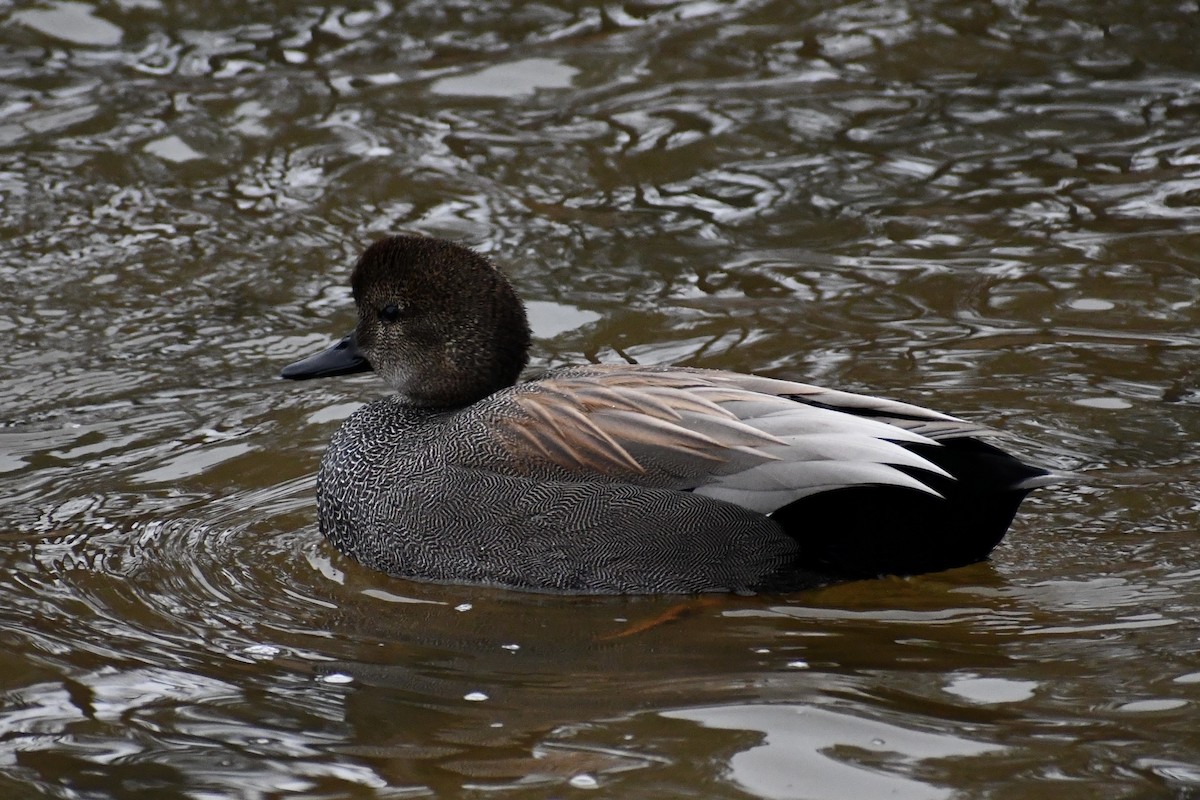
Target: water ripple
986,208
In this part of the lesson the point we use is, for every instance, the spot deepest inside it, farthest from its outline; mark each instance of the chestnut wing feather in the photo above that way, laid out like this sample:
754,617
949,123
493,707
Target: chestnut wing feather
756,442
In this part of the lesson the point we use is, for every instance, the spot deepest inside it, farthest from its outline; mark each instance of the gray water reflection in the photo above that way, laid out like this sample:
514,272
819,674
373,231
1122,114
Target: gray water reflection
792,760
988,208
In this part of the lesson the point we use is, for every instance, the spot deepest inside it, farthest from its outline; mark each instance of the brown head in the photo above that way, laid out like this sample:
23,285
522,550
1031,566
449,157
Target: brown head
436,320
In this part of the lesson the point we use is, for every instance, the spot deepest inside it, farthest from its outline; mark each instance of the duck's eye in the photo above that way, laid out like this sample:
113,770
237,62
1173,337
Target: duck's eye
389,313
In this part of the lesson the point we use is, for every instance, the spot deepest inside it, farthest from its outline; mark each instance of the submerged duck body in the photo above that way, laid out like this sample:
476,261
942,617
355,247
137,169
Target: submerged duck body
625,479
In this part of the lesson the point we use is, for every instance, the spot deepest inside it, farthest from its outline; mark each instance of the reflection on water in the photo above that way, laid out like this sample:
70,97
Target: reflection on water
986,208
810,752
992,690
75,23
508,80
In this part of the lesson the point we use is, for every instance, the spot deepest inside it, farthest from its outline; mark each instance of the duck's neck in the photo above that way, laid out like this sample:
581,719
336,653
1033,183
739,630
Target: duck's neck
470,365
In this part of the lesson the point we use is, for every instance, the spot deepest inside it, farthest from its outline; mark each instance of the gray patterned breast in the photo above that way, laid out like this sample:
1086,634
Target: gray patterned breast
411,493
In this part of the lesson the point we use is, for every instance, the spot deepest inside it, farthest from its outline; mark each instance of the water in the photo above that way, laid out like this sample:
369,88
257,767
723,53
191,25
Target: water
991,209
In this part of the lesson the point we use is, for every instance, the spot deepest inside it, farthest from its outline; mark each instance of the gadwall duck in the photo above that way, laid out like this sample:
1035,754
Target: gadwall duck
609,479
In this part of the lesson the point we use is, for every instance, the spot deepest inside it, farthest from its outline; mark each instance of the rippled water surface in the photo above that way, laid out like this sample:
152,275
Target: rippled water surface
989,208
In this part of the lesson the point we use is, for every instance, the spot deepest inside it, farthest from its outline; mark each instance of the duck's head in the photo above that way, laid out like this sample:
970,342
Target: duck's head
436,320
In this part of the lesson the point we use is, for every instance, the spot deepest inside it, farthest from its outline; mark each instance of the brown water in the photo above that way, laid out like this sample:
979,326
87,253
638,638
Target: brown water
989,208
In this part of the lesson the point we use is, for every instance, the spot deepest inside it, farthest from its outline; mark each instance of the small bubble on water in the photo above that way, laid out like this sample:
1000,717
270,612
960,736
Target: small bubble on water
463,607
1106,403
762,650
475,697
1092,304
798,664
337,677
583,781
511,647
261,652
878,742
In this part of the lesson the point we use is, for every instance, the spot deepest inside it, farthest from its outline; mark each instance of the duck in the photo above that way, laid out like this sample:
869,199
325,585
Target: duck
625,479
